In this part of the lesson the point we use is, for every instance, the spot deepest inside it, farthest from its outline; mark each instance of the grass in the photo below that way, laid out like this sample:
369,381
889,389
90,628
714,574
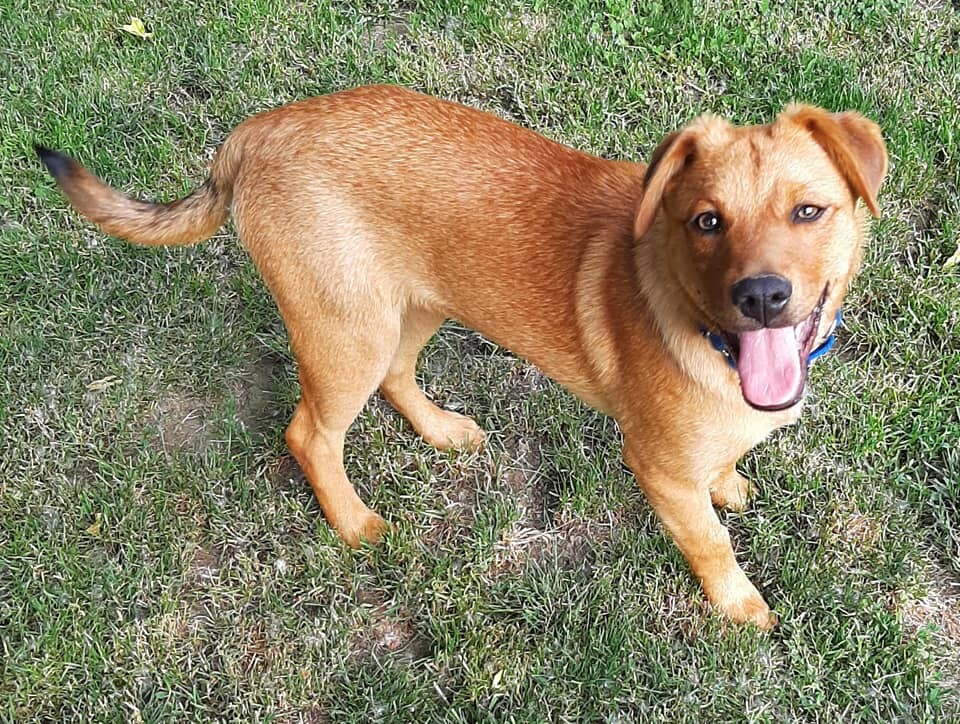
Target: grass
161,557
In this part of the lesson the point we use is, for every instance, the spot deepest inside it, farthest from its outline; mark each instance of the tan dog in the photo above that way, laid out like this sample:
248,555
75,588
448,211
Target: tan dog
376,213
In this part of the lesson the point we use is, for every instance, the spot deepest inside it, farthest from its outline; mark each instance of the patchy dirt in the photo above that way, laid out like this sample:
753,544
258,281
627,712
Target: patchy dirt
459,495
571,542
459,486
182,422
938,609
579,537
257,395
935,613
204,567
540,531
525,482
847,525
383,34
286,474
186,422
200,575
525,379
314,714
386,633
257,654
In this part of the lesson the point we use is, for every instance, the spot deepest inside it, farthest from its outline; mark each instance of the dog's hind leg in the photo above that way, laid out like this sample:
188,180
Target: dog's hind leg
340,360
441,428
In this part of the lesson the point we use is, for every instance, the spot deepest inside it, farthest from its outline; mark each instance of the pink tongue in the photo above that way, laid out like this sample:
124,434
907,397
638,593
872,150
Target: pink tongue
769,367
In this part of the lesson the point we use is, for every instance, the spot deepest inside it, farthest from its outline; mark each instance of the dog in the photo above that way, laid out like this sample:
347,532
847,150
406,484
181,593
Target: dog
684,298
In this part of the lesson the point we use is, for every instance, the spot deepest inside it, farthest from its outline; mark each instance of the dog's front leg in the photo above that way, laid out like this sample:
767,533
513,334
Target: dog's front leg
731,490
684,506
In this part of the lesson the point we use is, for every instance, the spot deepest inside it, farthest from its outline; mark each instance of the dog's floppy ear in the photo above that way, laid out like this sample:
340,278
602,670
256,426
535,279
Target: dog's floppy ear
852,142
673,153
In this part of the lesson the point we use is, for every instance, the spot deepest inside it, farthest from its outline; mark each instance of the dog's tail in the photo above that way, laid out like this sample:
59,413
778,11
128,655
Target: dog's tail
185,221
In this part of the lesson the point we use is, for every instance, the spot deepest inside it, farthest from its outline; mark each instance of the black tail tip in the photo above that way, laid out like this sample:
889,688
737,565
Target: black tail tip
58,164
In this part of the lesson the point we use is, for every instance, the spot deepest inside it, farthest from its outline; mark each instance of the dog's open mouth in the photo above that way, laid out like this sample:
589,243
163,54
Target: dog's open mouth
772,362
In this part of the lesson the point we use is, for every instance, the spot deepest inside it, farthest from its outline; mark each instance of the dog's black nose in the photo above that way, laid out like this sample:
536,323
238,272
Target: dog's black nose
762,297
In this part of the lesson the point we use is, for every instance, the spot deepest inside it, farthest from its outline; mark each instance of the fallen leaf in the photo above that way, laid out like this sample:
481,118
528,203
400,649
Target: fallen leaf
103,383
94,528
953,260
136,28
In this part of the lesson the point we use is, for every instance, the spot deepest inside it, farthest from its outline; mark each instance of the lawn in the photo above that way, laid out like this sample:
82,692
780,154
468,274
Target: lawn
162,557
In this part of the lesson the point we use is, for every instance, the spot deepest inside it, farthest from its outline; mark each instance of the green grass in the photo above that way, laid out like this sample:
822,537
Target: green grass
161,557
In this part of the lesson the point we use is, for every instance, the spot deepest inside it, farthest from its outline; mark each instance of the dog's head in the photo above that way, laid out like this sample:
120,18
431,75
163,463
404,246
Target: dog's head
760,228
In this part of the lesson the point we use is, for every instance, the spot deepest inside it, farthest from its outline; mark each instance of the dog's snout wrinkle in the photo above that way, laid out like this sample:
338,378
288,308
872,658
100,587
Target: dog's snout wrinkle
761,297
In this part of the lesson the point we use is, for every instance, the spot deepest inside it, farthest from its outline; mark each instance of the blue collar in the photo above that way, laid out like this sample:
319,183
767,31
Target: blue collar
716,341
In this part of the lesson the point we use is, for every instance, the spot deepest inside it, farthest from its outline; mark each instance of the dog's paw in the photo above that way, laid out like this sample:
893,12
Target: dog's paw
453,431
731,491
366,528
739,600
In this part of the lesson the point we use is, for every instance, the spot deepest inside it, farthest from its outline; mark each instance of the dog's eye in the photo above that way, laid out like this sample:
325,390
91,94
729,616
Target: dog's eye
807,212
707,223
